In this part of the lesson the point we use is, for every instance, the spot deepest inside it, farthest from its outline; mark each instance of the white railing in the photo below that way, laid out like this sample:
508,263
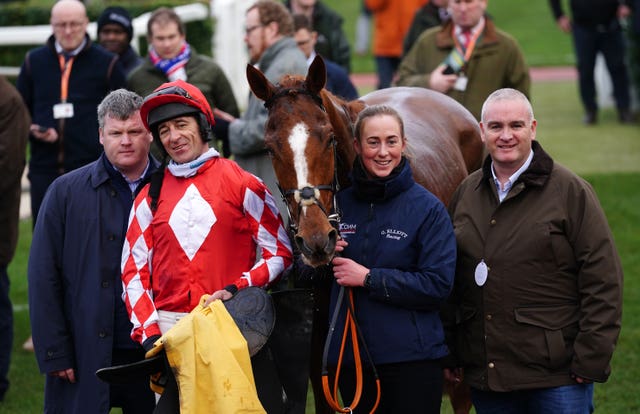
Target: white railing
229,49
37,35
228,41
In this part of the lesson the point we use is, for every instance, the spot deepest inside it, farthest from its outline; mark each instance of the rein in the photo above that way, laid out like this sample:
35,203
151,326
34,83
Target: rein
351,328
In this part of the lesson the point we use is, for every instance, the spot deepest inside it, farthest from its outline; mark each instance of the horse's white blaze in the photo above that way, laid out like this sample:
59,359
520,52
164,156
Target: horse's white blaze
298,143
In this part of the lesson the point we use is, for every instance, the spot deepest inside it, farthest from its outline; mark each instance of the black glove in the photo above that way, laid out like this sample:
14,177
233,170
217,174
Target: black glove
233,289
148,343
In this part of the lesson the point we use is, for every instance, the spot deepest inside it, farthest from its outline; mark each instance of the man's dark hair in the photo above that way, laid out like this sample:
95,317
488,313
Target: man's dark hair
274,11
164,15
300,21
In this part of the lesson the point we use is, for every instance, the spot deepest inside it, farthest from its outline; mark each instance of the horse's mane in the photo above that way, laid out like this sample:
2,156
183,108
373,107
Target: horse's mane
343,115
352,108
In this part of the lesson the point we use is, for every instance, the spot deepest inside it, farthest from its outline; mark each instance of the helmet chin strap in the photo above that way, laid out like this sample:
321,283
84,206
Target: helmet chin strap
206,134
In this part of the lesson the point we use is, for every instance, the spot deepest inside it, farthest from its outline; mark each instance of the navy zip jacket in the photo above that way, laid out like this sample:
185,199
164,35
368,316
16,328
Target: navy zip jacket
95,73
403,234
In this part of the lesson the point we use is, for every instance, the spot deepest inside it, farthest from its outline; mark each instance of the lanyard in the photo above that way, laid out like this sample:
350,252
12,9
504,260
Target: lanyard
65,68
466,53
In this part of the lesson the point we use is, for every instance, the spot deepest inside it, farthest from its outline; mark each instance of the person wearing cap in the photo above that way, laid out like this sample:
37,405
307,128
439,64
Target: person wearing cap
196,228
115,31
171,58
78,319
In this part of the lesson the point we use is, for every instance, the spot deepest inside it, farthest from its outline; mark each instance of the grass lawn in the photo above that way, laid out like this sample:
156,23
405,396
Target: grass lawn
531,23
607,155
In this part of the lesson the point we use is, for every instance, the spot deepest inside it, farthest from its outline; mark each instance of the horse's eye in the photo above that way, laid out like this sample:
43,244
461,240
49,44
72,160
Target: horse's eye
330,142
270,151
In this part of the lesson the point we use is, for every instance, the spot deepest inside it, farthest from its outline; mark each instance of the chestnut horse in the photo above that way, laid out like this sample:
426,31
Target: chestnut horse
310,138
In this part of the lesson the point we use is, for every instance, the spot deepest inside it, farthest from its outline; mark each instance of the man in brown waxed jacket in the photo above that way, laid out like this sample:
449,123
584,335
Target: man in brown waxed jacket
537,303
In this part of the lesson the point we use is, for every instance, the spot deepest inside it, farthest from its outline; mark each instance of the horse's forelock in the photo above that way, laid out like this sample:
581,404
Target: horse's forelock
291,81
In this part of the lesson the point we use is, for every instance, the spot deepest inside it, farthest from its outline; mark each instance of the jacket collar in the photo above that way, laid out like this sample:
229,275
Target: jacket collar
536,175
381,189
274,51
51,44
444,38
100,175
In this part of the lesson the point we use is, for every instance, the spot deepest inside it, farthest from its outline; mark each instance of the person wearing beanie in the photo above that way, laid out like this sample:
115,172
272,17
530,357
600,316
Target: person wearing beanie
196,228
115,31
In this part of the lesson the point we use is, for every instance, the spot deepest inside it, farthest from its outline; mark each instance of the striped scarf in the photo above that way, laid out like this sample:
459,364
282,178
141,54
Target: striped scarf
173,68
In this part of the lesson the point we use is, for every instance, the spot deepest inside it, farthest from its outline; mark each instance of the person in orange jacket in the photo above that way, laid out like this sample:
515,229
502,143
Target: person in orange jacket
392,21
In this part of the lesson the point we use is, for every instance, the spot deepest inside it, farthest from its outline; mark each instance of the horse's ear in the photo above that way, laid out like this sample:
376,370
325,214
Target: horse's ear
259,84
317,75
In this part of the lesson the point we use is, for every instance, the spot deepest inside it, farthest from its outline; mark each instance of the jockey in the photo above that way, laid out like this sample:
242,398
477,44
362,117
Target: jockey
196,228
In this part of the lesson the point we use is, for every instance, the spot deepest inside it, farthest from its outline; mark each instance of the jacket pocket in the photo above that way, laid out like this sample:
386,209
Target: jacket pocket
562,249
548,333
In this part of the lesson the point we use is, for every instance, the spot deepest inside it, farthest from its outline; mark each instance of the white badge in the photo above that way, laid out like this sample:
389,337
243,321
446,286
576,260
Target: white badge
63,110
461,83
482,271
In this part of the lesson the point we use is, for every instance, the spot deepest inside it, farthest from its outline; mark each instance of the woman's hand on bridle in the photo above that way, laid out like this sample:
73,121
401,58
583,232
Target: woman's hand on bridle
340,245
347,272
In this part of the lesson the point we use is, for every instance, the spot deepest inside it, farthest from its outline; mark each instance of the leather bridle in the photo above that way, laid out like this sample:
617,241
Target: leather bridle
310,195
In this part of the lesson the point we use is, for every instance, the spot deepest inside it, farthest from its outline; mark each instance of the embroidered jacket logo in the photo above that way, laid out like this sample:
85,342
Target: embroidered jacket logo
393,234
346,229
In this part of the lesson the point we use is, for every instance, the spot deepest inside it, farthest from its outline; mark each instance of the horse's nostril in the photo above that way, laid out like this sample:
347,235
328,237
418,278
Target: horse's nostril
331,242
302,246
333,235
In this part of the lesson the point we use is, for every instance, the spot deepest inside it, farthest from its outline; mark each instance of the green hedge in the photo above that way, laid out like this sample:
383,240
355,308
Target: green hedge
21,13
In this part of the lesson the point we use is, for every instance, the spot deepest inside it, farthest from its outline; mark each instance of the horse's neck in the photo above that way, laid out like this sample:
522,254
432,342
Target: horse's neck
341,119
